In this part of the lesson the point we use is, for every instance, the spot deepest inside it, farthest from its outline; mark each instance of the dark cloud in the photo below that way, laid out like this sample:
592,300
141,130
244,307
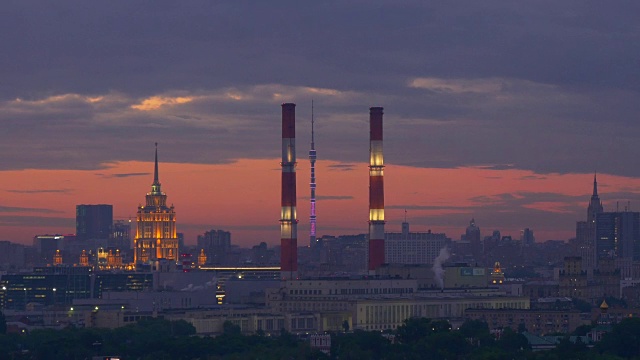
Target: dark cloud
202,228
329,197
41,191
533,177
14,209
38,221
496,167
342,167
124,175
427,207
552,87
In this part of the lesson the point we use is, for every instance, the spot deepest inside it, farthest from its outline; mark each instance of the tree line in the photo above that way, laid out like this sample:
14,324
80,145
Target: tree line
417,338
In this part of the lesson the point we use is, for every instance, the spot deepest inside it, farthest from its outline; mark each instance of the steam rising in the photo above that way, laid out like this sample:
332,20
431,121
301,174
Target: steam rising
438,270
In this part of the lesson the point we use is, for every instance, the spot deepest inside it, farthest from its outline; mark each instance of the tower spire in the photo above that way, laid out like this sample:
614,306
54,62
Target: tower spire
155,187
595,205
155,173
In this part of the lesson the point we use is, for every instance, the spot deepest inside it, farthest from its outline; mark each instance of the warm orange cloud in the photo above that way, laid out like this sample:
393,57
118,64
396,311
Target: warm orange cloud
156,102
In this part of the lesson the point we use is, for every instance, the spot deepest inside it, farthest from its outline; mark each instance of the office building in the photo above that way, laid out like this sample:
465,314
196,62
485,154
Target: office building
413,247
215,243
94,221
618,235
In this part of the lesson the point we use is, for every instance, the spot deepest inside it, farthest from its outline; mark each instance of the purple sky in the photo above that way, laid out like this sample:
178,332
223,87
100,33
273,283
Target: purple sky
551,87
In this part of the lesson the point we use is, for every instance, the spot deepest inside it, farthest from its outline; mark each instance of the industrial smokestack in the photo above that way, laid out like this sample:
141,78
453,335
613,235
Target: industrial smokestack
288,217
376,190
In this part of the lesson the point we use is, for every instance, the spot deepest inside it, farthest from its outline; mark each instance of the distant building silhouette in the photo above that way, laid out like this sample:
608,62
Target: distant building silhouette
618,235
121,235
586,232
215,243
527,238
472,235
94,221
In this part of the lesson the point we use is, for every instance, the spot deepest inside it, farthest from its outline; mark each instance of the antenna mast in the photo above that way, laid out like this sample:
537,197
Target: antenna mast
312,185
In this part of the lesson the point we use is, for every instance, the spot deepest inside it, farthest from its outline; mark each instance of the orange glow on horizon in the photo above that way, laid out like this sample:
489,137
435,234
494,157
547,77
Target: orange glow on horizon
244,197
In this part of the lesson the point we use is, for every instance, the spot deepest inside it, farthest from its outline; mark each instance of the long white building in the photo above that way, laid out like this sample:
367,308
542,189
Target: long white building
413,247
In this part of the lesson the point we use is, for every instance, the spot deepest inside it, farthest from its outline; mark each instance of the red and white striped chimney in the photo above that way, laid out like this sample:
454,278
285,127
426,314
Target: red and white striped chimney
376,190
288,217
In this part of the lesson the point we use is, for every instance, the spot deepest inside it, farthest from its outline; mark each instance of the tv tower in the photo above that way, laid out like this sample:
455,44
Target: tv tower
312,185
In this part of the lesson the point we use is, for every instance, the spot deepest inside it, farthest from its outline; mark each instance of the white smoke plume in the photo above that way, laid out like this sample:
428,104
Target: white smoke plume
438,270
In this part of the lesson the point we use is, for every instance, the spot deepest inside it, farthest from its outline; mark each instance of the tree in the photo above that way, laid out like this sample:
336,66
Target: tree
414,329
512,342
230,328
581,305
582,330
3,323
477,332
623,340
439,326
345,325
360,344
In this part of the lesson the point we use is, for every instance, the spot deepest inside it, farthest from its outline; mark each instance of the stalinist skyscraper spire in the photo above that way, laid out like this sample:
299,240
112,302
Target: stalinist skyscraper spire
156,236
586,232
595,205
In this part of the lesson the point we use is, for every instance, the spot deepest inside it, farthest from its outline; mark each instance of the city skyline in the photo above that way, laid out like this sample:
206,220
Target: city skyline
449,212
496,112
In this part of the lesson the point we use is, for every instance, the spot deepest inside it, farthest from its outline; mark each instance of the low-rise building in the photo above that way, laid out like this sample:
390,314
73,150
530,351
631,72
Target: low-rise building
539,322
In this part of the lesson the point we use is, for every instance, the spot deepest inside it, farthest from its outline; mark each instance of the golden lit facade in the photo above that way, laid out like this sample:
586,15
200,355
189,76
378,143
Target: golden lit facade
156,235
57,258
202,258
84,258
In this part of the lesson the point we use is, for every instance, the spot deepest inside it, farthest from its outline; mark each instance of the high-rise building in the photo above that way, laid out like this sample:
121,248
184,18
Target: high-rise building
586,232
472,235
215,244
527,238
121,235
156,236
618,235
94,221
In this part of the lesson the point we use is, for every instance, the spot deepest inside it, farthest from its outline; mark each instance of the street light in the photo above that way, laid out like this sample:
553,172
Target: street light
54,297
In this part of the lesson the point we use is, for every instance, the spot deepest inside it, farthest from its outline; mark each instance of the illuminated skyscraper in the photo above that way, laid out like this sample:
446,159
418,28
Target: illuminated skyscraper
156,236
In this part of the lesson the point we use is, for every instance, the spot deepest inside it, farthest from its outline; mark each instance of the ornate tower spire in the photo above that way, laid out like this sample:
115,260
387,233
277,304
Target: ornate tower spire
595,205
155,187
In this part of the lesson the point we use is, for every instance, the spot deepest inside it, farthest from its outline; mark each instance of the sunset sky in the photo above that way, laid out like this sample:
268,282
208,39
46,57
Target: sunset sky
498,111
